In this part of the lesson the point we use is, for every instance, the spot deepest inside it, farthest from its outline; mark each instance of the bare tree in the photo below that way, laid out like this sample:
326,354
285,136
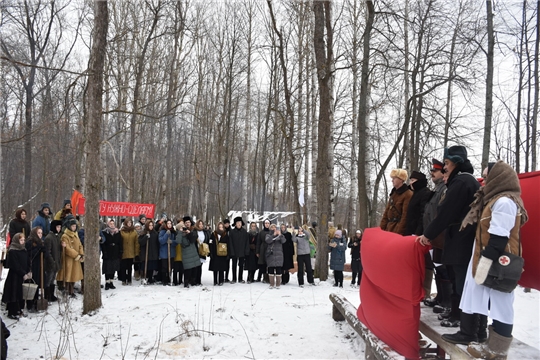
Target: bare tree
92,294
489,84
323,39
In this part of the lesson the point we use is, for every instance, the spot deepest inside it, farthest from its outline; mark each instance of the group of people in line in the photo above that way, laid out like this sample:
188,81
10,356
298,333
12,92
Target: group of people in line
160,252
466,225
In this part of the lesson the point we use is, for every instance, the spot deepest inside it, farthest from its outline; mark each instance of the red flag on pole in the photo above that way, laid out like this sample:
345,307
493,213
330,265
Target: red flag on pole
75,200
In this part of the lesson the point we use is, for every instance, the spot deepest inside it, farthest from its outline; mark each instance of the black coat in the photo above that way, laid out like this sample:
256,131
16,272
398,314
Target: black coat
19,226
288,251
415,212
19,266
153,246
218,263
252,259
262,245
239,240
53,263
36,247
111,248
461,187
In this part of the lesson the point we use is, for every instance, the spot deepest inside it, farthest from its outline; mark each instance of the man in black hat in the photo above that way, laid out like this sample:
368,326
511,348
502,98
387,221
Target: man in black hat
239,248
461,187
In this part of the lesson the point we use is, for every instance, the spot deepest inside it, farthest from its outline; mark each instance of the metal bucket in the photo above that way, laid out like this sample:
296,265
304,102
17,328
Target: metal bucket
29,291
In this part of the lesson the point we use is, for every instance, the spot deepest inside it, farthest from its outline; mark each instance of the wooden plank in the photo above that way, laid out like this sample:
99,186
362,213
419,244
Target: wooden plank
430,326
375,348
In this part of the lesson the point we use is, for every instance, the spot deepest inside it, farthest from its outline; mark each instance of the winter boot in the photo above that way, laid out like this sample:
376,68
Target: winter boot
428,279
272,280
496,347
107,285
52,297
482,328
137,275
278,281
468,330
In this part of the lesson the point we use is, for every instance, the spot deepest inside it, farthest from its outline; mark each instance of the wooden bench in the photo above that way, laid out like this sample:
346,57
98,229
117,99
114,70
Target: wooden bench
342,310
430,326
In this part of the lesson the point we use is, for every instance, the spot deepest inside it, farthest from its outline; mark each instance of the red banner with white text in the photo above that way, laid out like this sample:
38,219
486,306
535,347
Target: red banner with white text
111,208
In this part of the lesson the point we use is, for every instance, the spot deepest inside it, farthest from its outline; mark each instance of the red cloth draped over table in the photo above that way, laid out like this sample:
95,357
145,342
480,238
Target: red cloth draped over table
530,193
391,288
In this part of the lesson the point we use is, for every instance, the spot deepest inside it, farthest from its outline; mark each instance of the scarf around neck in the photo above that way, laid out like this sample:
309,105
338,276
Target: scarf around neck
502,180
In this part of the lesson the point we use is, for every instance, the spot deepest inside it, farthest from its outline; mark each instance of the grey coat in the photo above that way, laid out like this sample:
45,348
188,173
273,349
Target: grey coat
190,250
274,251
303,245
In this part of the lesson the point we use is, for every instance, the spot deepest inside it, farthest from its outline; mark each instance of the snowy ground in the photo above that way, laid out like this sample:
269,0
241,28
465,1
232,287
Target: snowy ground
232,321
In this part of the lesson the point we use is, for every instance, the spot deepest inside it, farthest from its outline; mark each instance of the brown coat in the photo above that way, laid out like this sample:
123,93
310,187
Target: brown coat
130,244
482,235
395,215
71,265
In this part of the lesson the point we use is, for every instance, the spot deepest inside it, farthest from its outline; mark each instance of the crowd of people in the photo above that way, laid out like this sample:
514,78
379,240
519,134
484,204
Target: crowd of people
468,226
167,252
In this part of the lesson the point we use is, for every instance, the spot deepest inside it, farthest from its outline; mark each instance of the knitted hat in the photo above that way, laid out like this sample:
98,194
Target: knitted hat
338,233
399,173
142,216
67,201
417,175
226,221
456,154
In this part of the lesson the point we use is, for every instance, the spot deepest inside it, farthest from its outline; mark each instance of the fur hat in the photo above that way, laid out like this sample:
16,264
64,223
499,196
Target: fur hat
456,154
188,218
54,224
338,233
417,175
45,205
239,218
69,222
399,173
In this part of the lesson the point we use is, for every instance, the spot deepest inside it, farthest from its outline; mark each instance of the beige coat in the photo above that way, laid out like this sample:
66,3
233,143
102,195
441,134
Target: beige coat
71,266
130,244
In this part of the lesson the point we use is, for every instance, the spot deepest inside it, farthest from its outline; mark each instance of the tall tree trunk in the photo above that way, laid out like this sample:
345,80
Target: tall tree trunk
489,85
324,56
534,119
92,274
141,61
363,121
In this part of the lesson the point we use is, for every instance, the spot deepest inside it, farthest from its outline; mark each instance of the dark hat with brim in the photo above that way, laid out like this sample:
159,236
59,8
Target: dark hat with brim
456,154
417,175
437,165
239,218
